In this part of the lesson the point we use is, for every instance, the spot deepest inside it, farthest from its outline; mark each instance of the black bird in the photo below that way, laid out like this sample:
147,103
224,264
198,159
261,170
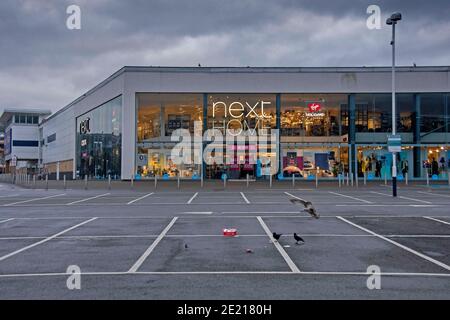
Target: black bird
186,246
276,236
298,238
309,208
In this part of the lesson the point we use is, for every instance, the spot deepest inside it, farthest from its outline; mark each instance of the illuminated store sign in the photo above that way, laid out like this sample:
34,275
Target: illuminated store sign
238,116
314,107
84,126
314,110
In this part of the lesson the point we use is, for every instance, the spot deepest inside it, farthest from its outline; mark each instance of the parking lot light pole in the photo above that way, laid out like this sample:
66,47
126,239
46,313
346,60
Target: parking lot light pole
392,21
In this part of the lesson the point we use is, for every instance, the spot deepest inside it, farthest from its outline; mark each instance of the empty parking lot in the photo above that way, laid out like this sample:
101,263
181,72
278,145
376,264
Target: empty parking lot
169,244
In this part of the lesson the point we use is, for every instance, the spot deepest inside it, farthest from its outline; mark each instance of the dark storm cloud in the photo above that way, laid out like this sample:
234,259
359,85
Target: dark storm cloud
43,64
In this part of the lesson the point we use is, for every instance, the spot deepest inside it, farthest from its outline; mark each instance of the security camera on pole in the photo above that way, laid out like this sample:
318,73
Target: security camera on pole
394,141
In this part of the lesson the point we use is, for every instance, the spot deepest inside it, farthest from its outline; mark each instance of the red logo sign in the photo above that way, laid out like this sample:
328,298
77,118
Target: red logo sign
314,107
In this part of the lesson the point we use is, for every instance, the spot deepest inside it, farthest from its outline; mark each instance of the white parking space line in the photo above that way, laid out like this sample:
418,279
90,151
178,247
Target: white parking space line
436,262
45,240
291,195
140,198
3,221
434,194
406,198
198,212
350,197
9,196
245,198
437,220
301,273
192,198
277,245
87,199
389,205
34,199
147,252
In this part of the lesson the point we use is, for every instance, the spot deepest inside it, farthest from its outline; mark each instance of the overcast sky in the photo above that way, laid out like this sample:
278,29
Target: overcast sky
45,65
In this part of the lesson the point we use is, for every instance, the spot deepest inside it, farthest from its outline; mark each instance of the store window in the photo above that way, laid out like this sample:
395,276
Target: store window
158,116
99,141
307,162
314,115
373,113
434,113
148,117
406,112
375,162
435,161
156,160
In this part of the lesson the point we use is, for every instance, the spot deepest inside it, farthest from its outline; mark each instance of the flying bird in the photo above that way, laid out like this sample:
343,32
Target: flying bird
276,236
308,207
298,238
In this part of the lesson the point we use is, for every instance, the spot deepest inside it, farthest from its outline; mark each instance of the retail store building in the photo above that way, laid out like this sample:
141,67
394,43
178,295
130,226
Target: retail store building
329,120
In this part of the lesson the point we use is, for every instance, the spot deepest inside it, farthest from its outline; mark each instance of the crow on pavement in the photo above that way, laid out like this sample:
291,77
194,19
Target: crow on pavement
276,236
298,238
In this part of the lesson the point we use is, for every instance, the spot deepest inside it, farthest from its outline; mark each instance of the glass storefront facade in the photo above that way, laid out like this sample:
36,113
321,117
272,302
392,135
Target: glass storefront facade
99,141
320,135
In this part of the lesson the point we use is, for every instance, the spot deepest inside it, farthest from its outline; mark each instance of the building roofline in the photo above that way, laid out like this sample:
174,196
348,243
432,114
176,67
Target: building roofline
247,70
285,69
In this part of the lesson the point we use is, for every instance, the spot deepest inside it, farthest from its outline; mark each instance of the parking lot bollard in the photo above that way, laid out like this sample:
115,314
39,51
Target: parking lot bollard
428,179
270,181
293,181
365,178
178,181
406,178
351,179
34,181
339,180
46,182
109,182
317,180
64,182
85,182
348,178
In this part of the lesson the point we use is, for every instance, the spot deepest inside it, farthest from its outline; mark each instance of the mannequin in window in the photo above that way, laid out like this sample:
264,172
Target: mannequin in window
434,167
405,167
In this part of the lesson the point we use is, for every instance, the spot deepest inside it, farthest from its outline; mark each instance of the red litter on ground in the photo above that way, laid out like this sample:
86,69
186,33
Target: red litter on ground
229,232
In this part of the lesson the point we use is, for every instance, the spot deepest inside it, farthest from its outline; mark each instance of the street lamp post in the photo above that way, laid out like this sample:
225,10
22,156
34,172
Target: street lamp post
392,20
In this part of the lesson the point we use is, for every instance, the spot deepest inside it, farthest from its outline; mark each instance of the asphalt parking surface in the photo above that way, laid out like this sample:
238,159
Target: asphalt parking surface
169,244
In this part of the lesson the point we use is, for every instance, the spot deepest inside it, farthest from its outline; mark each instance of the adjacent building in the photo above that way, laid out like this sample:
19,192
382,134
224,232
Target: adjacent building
21,139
